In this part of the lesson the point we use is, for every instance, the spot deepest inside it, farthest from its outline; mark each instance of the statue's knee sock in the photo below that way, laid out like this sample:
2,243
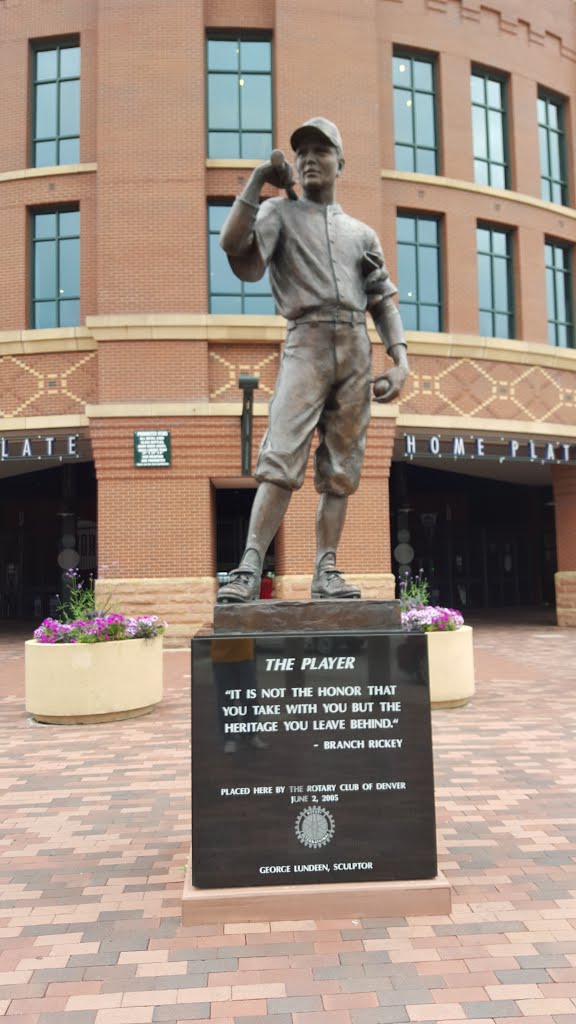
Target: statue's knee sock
252,559
329,525
327,560
270,504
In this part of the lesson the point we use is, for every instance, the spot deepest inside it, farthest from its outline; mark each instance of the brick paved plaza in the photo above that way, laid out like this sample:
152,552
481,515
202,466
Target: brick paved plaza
95,836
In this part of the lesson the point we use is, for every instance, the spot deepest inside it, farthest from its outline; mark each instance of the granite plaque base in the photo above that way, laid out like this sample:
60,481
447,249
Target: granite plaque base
431,897
312,762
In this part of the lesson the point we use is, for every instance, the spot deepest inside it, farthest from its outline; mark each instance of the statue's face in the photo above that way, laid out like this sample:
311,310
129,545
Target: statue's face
318,164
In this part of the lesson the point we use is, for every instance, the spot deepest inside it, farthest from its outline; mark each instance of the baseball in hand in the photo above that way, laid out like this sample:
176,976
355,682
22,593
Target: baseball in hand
381,387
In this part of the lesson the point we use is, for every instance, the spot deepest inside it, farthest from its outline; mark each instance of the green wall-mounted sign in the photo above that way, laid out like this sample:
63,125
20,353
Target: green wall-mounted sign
152,448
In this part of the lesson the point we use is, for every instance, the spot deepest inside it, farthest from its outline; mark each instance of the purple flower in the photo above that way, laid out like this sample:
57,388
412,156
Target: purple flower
431,619
100,629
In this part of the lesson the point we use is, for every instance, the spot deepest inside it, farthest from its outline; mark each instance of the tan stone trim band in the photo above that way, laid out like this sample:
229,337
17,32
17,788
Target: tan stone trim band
48,172
216,163
437,181
61,339
156,410
499,350
376,586
139,584
222,329
219,328
187,327
461,424
42,422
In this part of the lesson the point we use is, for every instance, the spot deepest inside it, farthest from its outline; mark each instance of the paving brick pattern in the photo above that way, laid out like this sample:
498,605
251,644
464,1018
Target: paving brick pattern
94,840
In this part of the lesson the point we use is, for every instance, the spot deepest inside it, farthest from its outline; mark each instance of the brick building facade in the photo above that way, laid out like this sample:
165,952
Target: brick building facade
458,123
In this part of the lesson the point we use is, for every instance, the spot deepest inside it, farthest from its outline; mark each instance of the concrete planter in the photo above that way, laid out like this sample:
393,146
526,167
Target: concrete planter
75,684
451,667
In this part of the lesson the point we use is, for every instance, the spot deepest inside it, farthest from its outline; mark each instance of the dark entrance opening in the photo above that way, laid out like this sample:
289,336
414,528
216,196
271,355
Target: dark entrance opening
47,524
233,508
481,543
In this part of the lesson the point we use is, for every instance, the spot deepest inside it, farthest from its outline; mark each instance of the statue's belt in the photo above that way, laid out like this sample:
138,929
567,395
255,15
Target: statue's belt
329,315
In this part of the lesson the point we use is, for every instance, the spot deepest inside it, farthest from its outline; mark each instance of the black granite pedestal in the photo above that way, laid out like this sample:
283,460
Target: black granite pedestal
312,765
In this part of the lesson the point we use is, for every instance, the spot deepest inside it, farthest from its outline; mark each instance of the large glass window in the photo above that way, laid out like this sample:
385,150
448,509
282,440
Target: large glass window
559,291
227,293
239,97
56,268
56,105
419,277
415,113
489,129
495,282
552,139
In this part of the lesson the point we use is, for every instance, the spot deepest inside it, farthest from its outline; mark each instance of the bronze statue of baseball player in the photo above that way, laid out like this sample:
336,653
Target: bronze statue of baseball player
326,270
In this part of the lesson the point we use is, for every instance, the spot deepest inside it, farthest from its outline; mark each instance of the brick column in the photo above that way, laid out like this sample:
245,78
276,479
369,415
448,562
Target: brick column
564,483
155,526
530,280
346,49
455,117
461,280
151,230
523,135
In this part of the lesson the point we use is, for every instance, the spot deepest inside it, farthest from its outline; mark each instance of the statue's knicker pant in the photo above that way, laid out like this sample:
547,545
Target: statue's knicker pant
323,384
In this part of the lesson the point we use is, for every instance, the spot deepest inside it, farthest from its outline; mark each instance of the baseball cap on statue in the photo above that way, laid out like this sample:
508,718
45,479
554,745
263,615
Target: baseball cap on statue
321,128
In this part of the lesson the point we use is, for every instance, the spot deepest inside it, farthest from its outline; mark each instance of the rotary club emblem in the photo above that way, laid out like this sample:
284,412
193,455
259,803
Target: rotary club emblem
314,827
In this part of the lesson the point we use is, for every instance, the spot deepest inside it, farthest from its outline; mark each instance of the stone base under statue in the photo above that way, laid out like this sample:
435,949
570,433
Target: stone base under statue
314,902
307,616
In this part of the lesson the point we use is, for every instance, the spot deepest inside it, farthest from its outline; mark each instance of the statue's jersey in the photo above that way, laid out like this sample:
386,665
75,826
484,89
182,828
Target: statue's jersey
314,255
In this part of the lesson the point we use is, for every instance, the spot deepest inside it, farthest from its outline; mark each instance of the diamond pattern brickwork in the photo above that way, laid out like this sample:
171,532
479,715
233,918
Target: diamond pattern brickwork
47,385
227,362
484,388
